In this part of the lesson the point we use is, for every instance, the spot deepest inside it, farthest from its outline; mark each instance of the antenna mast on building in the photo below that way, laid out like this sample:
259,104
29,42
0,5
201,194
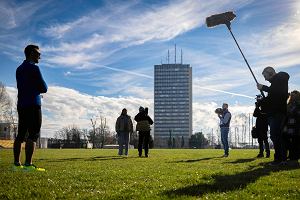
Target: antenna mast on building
181,56
175,53
168,56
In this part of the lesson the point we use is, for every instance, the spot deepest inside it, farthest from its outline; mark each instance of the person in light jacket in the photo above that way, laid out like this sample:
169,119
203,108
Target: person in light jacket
225,117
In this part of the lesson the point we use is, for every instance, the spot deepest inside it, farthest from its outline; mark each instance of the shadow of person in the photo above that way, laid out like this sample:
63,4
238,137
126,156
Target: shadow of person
103,158
195,160
242,160
99,158
226,182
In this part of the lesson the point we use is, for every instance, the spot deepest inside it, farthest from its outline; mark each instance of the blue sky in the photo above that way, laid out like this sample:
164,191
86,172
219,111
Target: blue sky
98,56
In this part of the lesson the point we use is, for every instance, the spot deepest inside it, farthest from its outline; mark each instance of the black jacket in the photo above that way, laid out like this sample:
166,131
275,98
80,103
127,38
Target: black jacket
261,123
141,116
277,93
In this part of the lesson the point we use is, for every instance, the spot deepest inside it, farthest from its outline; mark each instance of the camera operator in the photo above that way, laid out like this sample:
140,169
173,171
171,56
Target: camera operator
225,117
261,126
276,109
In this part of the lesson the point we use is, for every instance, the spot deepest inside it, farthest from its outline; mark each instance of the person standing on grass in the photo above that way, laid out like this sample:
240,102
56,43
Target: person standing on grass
291,130
261,126
123,128
276,109
225,117
30,84
143,127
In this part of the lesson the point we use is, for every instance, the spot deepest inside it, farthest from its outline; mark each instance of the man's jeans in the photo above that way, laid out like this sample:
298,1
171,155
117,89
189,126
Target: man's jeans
224,139
275,122
123,139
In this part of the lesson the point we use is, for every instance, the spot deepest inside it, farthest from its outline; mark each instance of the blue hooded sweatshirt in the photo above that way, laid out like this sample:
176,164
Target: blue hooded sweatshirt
30,84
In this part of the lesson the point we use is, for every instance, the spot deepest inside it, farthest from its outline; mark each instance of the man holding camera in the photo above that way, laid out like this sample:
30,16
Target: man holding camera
225,117
276,109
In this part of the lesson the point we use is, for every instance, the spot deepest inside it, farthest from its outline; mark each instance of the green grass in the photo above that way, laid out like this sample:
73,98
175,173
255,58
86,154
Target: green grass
166,174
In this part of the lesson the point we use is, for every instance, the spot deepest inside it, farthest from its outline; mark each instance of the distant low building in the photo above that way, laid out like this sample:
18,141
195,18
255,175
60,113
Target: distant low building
7,130
42,143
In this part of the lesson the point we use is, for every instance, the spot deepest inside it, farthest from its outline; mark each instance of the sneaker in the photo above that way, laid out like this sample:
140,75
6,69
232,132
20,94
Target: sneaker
293,163
31,168
17,168
225,156
260,155
283,163
146,156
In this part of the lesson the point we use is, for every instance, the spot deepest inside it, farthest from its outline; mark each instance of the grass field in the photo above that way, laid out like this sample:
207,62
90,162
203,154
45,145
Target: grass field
166,174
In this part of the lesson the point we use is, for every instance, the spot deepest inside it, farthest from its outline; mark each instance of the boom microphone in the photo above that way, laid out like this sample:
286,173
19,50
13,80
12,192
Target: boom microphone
226,18
223,18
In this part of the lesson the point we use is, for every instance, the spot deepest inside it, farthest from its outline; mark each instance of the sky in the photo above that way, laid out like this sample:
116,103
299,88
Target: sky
98,56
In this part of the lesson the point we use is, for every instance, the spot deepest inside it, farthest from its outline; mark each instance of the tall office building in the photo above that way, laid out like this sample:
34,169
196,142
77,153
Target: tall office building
172,104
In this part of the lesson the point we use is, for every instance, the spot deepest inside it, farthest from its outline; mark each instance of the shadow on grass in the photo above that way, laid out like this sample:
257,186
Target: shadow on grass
100,158
195,160
96,158
226,182
242,160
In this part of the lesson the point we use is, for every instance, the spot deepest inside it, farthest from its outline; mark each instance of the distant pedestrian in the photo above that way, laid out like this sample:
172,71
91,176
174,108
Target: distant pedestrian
143,127
276,102
123,128
291,130
225,117
261,127
30,84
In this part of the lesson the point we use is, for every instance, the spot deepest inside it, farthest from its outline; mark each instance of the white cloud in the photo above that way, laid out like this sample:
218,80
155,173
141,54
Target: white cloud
123,26
63,106
14,15
277,45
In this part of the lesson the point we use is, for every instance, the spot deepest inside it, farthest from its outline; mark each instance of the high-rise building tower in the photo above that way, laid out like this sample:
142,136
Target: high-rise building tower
172,105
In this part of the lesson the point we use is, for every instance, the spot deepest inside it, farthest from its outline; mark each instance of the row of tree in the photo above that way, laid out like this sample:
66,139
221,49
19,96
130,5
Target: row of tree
98,136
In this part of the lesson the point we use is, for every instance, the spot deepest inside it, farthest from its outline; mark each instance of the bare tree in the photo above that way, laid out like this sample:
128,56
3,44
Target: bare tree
8,111
70,135
100,135
5,103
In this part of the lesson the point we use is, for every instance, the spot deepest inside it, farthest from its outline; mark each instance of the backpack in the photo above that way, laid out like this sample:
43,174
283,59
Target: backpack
143,126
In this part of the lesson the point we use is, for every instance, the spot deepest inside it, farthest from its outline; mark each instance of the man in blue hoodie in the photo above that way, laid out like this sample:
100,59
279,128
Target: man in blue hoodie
276,107
30,84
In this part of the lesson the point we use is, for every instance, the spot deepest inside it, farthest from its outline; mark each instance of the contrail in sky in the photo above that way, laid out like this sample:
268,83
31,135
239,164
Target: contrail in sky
222,91
128,72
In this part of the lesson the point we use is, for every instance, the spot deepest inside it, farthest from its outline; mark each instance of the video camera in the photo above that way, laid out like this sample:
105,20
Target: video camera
219,111
259,100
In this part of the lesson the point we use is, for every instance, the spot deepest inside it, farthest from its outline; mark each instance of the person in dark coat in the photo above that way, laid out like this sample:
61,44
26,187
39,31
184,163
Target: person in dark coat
276,102
143,127
261,126
291,130
123,128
